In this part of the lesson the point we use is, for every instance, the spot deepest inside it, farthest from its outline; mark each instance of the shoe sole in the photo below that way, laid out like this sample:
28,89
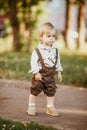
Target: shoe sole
53,115
30,114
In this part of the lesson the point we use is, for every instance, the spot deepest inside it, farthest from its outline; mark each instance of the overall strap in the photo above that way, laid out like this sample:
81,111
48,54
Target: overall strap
40,58
56,56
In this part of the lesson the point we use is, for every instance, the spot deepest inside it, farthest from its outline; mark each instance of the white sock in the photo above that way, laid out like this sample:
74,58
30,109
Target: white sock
32,99
50,105
31,105
50,102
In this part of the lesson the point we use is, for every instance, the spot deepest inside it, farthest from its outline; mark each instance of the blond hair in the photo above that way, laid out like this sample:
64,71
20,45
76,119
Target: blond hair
46,28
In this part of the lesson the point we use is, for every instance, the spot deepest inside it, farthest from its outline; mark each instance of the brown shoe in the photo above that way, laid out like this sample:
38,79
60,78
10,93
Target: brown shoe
31,111
52,111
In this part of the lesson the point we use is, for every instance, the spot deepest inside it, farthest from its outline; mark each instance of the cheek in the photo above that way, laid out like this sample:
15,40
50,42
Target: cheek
55,38
42,38
46,39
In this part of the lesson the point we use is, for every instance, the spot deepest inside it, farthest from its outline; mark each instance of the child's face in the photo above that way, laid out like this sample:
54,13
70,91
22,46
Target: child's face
48,38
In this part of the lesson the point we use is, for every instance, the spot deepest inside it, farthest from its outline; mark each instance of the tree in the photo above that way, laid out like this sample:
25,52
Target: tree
80,20
14,23
31,18
69,22
81,25
14,7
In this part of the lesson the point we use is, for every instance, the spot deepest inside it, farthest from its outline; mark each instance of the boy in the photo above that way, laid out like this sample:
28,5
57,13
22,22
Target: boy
45,61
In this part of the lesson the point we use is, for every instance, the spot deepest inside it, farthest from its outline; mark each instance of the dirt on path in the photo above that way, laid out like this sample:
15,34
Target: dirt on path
71,102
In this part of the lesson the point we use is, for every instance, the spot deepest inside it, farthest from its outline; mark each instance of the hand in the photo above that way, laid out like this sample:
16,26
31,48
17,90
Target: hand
38,76
59,76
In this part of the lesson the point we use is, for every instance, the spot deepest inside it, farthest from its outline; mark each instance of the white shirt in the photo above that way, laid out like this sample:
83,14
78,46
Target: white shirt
49,58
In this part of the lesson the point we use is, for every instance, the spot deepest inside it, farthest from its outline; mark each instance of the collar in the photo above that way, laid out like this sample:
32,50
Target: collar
41,46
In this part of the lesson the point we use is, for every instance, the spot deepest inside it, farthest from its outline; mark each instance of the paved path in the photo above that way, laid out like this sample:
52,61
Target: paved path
71,102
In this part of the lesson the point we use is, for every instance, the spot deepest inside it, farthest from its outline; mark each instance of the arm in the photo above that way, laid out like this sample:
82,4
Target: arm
59,76
58,64
59,69
34,63
35,66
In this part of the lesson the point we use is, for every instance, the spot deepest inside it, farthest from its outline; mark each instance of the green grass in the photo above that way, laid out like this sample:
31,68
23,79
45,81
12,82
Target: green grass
11,125
16,66
75,70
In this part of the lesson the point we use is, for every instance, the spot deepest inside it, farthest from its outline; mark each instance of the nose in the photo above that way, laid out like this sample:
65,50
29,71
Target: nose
52,38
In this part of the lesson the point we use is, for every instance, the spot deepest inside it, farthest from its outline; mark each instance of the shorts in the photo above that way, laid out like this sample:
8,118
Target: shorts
47,84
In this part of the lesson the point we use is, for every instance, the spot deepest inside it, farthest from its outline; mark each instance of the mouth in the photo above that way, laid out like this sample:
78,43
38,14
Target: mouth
51,42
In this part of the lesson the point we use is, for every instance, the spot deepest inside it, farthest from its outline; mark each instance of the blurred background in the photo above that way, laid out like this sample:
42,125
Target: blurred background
19,22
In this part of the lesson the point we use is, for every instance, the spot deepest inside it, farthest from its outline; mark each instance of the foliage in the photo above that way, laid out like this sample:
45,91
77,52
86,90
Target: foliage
11,125
79,2
17,65
21,11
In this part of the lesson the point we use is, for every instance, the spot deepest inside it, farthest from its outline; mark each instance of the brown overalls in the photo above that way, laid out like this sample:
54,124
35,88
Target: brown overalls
47,84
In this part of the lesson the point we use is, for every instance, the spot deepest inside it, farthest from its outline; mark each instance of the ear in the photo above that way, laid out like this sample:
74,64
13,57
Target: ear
40,37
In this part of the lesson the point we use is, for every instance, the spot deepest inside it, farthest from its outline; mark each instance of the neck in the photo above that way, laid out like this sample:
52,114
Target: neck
48,46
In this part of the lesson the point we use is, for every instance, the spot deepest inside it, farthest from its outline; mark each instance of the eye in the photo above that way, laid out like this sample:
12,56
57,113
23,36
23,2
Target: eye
49,36
54,36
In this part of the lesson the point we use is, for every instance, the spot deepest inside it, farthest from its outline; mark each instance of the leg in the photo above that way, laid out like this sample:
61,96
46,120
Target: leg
35,89
31,106
50,92
50,101
50,107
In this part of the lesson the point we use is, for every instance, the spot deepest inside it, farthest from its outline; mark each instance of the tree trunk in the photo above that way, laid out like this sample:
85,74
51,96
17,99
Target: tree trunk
69,22
81,28
28,28
14,23
28,38
16,46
